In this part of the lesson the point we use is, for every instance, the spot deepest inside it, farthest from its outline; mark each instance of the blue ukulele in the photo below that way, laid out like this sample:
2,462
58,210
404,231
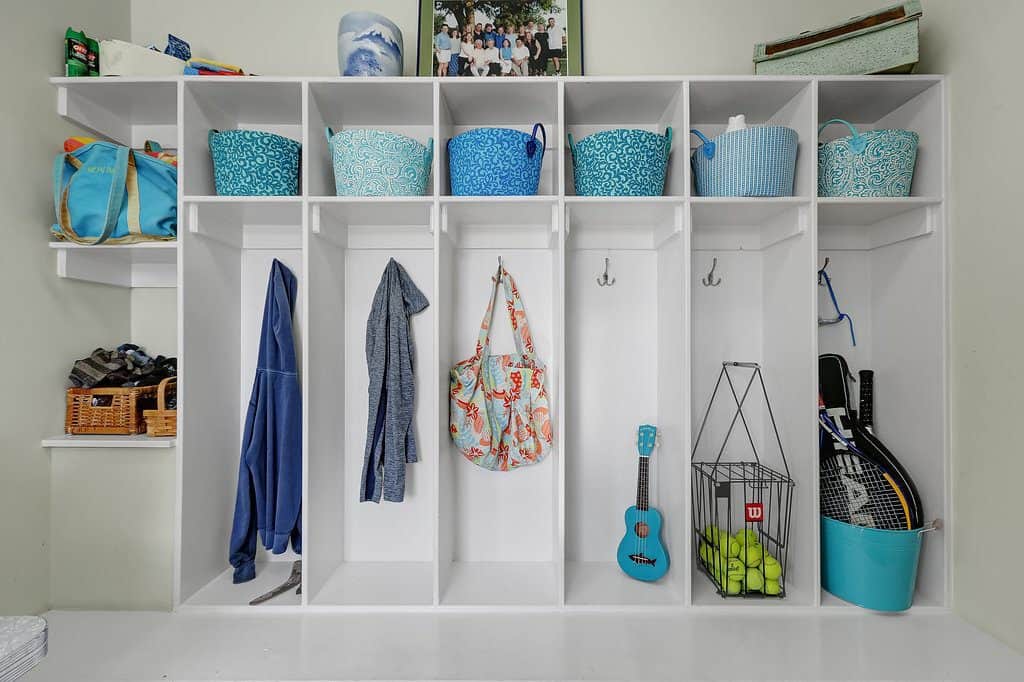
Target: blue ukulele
641,554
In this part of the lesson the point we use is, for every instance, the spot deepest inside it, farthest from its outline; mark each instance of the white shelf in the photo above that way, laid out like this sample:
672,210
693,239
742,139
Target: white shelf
486,583
221,591
871,223
384,583
126,110
148,264
747,224
138,442
594,583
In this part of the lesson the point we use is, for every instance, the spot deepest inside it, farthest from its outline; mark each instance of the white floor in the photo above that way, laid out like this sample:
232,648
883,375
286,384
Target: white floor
770,646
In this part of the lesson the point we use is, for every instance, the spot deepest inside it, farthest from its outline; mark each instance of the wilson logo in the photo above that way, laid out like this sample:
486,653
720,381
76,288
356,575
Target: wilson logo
100,169
753,512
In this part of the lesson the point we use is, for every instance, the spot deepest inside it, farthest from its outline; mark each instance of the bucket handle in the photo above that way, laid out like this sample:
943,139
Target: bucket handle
707,147
209,136
934,525
428,153
329,132
531,144
857,144
572,148
668,140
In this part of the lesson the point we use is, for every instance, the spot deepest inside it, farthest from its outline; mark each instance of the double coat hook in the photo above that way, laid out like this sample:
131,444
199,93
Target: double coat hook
603,279
711,280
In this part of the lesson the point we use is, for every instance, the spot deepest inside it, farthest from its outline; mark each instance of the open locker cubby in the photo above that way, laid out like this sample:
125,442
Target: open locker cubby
394,105
498,536
593,106
268,105
623,367
227,249
764,101
128,111
759,312
468,103
364,553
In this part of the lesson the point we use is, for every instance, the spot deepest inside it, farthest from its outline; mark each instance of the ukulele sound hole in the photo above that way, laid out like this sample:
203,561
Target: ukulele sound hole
642,529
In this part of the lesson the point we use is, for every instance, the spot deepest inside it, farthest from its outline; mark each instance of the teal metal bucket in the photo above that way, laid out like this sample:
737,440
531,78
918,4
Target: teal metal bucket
875,569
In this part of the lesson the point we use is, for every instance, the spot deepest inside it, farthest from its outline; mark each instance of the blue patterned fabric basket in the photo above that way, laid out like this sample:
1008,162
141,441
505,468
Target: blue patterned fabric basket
496,162
621,163
757,162
378,163
254,163
876,163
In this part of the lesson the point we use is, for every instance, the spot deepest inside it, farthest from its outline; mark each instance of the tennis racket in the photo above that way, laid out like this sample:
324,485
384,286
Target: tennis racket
854,488
855,438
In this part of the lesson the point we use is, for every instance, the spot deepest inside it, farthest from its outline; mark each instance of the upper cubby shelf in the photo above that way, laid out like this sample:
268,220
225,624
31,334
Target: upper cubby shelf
126,110
268,105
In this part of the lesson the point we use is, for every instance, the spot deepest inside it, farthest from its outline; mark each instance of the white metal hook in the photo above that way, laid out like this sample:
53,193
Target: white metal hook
603,279
710,280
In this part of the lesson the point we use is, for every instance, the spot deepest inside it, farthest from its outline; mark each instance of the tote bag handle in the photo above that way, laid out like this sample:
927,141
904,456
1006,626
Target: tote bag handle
520,326
124,182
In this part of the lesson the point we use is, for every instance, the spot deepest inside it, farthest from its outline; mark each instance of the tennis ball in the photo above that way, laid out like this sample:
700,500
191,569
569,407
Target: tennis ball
772,587
754,580
735,569
733,587
750,555
705,552
771,568
747,536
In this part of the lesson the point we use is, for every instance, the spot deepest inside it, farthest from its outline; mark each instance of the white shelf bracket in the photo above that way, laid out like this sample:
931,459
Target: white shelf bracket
193,219
316,219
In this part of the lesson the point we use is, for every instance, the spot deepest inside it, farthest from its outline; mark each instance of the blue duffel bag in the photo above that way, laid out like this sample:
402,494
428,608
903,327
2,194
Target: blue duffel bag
104,192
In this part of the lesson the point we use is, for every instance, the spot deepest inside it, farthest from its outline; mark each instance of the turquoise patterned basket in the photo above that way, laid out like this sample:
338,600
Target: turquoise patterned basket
254,163
876,163
496,162
378,163
621,163
756,162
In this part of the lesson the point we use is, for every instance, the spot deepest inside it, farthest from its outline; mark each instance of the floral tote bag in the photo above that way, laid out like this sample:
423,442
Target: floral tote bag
500,416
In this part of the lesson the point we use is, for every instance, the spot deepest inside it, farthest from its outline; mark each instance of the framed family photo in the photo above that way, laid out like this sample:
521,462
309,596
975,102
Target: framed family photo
500,38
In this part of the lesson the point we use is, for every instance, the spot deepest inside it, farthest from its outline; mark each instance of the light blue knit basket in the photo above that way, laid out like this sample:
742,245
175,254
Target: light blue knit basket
875,163
621,163
254,163
756,162
378,163
496,162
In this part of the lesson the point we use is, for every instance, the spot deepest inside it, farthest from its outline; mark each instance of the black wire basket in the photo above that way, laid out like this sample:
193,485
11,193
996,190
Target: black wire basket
741,510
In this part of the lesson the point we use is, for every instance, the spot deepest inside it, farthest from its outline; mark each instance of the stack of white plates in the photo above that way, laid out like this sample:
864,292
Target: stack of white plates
22,645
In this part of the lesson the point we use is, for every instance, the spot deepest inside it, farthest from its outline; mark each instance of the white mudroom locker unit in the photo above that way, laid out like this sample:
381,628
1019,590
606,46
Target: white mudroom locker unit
647,349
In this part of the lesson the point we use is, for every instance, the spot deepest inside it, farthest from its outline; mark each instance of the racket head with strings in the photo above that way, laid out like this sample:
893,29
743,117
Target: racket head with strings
855,490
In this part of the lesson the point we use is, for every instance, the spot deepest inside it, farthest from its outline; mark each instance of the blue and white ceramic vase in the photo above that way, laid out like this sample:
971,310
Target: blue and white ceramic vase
369,45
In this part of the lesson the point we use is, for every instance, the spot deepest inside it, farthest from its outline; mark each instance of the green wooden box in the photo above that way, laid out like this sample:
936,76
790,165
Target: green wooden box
885,41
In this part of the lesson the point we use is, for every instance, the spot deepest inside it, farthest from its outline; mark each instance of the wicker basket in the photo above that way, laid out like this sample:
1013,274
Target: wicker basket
108,411
161,421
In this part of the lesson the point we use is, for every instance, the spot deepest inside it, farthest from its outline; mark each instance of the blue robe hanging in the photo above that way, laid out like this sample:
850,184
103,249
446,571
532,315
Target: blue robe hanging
269,498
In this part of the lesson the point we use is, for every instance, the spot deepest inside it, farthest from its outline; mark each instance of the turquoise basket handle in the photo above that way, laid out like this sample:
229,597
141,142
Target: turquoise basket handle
668,140
209,136
572,148
707,147
857,144
428,153
329,132
531,144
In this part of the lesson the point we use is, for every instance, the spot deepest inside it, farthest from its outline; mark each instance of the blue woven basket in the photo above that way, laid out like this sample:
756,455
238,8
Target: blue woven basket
756,162
254,163
496,162
876,163
621,163
378,163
